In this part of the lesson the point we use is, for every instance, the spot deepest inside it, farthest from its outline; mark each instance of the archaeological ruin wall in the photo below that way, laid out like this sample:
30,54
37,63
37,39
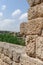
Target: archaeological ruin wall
32,53
34,33
10,53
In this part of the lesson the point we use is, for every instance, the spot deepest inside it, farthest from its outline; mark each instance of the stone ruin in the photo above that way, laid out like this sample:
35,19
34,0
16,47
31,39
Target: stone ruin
10,54
32,53
33,30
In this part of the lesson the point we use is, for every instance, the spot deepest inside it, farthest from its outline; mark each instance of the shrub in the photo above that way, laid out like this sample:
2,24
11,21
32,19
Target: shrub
7,37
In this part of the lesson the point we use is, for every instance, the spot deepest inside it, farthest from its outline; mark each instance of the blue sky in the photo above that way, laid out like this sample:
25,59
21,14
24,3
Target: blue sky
12,14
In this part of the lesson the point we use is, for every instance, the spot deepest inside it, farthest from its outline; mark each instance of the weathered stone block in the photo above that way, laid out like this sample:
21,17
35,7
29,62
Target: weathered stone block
31,45
7,60
31,2
39,47
3,63
36,11
10,53
34,2
34,26
26,60
23,28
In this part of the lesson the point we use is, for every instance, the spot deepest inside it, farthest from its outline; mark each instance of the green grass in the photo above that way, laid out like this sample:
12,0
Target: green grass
7,37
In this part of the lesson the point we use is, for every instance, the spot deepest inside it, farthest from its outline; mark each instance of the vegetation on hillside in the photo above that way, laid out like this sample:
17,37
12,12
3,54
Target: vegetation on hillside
7,37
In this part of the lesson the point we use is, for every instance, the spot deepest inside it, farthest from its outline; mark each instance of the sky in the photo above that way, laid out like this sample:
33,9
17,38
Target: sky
12,14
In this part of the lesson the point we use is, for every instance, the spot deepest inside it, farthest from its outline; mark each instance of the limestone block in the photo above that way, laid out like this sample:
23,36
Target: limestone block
10,53
34,2
23,28
31,2
31,45
35,12
2,56
7,60
26,60
34,26
1,60
39,47
3,63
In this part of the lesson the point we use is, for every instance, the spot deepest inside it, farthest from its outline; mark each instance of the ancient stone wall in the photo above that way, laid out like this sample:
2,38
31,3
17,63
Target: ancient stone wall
15,55
34,37
10,53
34,34
32,54
23,28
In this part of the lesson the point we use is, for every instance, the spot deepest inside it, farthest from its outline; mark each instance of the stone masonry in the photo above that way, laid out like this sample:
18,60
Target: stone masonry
23,28
32,53
34,34
10,54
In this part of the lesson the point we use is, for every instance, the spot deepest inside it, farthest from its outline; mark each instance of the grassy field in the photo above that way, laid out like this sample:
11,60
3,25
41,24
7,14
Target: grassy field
7,37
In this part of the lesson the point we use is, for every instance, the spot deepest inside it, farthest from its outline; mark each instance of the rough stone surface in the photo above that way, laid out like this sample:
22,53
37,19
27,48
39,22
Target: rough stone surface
23,28
34,26
39,48
25,60
35,12
32,54
34,2
10,53
31,45
34,35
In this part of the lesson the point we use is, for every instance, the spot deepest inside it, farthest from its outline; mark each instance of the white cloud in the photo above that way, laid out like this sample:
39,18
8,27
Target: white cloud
23,16
16,12
1,14
13,24
10,24
6,22
3,7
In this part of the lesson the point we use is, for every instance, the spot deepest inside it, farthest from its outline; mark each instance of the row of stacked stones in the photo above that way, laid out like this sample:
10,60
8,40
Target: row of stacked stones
33,30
